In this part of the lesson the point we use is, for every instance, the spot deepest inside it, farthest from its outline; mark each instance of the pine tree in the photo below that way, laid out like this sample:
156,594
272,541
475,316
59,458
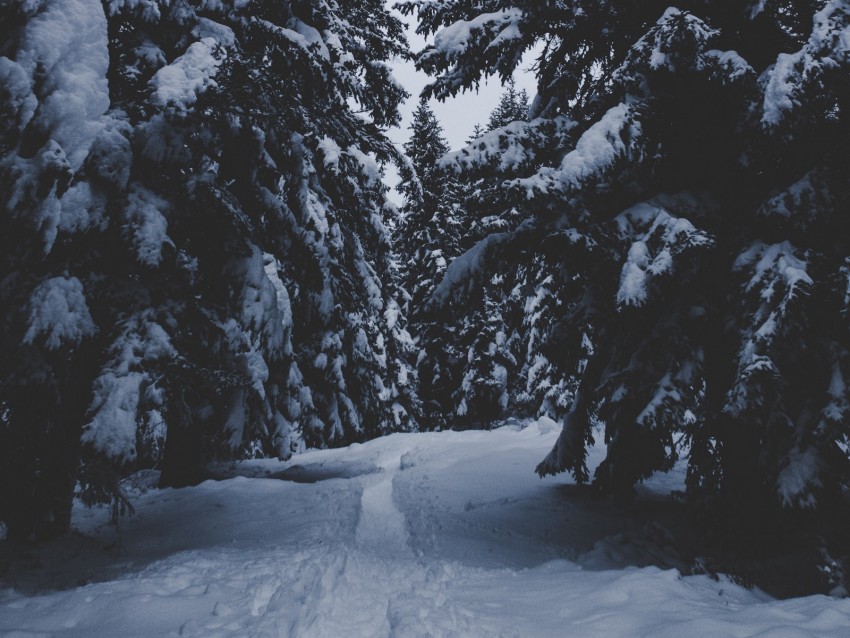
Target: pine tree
427,238
467,360
487,337
294,250
53,99
431,223
512,107
217,280
681,180
468,366
477,131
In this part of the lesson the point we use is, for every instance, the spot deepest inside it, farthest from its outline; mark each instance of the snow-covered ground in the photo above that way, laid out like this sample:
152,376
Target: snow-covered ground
440,534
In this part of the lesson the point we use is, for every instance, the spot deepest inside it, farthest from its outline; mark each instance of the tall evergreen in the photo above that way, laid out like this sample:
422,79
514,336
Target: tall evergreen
681,195
196,260
53,193
512,107
428,236
431,222
466,358
487,330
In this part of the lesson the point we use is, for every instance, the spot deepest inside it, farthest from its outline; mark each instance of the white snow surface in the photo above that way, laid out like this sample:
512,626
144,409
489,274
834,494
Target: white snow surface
502,25
180,82
67,40
644,223
828,47
431,534
59,313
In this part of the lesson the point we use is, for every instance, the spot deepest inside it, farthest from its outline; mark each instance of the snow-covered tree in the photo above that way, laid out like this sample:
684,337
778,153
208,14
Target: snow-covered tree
484,336
483,395
512,107
53,99
431,224
680,188
428,235
467,368
280,206
196,243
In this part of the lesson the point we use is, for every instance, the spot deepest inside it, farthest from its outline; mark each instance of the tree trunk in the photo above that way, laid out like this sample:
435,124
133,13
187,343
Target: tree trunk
183,459
42,462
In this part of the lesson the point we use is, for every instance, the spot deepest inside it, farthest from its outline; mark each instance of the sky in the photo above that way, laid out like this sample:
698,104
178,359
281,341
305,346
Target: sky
459,115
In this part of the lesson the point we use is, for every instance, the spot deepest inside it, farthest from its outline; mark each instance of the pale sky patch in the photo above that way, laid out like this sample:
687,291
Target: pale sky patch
459,115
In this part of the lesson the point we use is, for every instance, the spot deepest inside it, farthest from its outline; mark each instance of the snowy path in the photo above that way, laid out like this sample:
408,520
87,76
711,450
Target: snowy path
381,527
422,535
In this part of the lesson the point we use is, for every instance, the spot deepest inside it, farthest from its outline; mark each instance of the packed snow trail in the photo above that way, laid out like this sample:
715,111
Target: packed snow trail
413,535
381,526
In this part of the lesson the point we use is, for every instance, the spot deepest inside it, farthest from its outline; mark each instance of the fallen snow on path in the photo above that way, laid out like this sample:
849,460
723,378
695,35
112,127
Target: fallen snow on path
420,535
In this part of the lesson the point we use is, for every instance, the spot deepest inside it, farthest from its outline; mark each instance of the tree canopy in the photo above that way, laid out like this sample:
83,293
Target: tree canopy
680,188
195,260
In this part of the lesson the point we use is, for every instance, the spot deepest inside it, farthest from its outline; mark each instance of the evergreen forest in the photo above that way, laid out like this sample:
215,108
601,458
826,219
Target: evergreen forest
201,260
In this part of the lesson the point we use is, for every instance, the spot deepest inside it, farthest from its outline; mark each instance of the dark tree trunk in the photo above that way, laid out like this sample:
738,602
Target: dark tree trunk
42,462
183,461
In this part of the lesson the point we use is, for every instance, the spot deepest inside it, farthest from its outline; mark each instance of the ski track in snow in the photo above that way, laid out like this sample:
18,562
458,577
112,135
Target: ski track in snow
443,535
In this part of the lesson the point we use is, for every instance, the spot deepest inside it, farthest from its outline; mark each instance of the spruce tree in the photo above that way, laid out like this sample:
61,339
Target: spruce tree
512,107
468,369
431,223
680,190
196,257
281,226
467,359
428,237
487,334
477,131
53,99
